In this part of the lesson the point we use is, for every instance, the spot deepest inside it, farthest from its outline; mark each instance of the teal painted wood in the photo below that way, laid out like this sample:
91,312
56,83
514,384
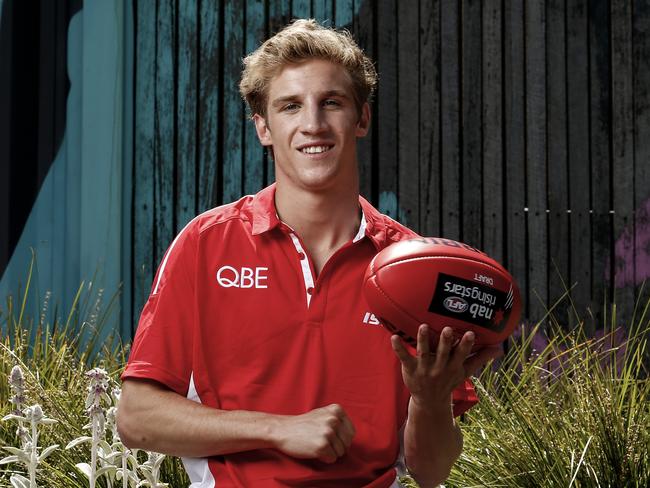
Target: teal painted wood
386,108
143,212
515,119
279,12
536,185
558,162
344,13
301,9
408,120
492,219
45,213
429,123
233,110
578,144
322,11
363,26
127,322
623,153
471,122
101,145
600,154
461,134
450,119
209,107
186,110
254,161
71,154
164,127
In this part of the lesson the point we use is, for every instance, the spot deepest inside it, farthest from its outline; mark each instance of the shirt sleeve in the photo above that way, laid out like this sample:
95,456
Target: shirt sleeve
162,348
464,397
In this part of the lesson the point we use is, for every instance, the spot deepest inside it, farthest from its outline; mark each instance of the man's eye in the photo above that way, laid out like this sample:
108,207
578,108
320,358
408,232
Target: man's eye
331,103
289,107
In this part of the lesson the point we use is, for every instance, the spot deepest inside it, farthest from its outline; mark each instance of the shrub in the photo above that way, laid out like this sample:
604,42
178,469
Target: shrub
54,354
574,413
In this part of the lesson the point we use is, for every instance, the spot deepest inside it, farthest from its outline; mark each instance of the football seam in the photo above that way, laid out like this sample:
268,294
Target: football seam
376,284
444,256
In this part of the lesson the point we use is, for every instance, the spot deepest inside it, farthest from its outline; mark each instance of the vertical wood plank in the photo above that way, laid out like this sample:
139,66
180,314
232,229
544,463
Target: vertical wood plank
186,150
344,13
472,158
254,161
67,214
44,148
127,321
143,204
363,28
209,108
322,11
492,203
233,113
301,9
536,184
623,157
558,169
164,128
515,119
600,130
408,190
387,110
578,145
429,124
279,17
450,118
641,39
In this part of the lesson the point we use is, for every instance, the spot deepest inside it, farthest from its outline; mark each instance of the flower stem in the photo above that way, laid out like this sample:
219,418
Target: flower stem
33,458
125,476
93,456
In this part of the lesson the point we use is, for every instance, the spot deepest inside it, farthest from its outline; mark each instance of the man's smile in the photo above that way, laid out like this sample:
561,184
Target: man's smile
316,149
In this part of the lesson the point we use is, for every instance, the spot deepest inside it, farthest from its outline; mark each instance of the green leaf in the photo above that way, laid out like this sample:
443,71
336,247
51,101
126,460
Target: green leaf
10,459
47,452
84,468
105,470
77,441
18,481
11,416
18,452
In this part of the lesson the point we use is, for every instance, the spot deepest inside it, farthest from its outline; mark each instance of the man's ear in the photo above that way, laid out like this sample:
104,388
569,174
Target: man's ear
363,125
263,130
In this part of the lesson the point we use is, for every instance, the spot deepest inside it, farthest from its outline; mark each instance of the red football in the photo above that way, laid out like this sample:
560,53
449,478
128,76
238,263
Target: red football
442,282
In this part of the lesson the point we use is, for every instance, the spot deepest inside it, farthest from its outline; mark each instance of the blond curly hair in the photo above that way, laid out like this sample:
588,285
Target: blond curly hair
304,39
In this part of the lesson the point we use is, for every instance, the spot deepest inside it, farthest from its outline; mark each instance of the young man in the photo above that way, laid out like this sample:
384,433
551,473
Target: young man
253,358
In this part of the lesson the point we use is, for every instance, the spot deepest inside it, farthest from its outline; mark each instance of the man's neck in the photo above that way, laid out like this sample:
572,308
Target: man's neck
324,221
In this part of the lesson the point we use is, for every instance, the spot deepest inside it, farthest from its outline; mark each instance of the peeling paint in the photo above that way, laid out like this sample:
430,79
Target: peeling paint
632,252
388,205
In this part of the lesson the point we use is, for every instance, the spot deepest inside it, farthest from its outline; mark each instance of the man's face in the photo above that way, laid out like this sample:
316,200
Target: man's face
313,123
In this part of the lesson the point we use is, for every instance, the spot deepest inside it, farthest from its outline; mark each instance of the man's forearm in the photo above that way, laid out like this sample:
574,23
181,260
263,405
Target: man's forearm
162,421
154,418
432,443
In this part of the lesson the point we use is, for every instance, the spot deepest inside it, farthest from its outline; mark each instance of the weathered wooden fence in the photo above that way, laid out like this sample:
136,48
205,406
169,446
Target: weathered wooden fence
521,127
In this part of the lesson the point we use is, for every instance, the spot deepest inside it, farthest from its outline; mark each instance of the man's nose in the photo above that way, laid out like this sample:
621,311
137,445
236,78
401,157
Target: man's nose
313,119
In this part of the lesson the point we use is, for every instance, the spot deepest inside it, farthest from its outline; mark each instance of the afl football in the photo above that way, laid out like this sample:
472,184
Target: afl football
442,283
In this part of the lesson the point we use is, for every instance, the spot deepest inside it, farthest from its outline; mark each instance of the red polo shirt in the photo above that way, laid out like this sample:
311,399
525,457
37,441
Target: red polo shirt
236,321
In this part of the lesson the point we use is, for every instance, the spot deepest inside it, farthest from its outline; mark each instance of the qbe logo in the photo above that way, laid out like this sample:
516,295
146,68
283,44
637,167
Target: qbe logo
455,304
244,277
